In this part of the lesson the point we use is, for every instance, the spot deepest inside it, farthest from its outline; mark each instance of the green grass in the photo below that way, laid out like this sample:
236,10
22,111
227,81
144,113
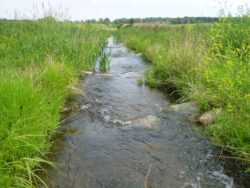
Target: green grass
104,59
206,63
172,51
226,80
39,61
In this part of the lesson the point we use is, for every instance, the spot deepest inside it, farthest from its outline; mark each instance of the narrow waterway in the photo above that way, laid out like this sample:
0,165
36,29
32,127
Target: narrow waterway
125,136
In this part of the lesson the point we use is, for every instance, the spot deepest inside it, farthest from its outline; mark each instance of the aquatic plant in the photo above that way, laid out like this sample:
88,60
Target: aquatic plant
140,82
104,59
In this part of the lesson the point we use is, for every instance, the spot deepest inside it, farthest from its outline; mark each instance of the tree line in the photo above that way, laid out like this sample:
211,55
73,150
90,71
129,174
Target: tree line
179,20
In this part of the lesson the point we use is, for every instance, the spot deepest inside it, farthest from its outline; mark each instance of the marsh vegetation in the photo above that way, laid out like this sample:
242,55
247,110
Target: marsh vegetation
207,63
41,61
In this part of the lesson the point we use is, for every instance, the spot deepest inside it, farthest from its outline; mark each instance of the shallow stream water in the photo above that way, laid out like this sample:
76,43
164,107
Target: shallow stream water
125,136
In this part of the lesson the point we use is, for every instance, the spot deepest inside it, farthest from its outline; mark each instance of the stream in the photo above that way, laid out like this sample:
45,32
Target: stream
125,136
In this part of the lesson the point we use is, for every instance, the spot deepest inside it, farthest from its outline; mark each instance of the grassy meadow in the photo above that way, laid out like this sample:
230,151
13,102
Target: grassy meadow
207,63
39,62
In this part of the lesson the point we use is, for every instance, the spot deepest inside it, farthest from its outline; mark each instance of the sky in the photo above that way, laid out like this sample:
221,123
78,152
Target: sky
95,9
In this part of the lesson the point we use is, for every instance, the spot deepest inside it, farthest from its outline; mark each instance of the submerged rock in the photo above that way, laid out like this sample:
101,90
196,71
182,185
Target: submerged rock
209,117
149,121
104,74
193,118
131,75
118,53
187,108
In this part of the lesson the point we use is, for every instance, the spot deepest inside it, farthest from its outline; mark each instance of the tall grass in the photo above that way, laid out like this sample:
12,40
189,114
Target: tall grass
173,52
104,59
39,60
226,80
206,63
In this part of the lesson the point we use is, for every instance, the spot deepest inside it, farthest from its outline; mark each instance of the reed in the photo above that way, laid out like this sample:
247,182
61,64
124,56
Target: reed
104,59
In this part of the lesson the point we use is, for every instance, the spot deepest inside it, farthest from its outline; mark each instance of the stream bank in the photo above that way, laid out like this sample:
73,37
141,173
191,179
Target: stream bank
126,136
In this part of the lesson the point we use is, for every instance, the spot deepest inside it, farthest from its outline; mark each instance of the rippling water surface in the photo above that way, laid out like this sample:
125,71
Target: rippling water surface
124,136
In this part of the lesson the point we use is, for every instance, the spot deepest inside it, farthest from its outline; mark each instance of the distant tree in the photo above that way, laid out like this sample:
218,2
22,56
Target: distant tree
106,21
91,21
100,20
184,20
131,21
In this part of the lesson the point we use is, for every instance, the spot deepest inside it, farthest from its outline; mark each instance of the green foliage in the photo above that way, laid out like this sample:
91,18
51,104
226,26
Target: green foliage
227,81
39,60
184,20
140,82
206,63
104,59
231,37
172,50
131,21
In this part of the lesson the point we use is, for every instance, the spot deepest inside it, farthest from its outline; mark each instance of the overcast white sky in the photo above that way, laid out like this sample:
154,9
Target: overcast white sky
87,9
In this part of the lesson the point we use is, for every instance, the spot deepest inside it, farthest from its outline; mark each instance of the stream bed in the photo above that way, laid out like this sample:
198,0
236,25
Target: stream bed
125,136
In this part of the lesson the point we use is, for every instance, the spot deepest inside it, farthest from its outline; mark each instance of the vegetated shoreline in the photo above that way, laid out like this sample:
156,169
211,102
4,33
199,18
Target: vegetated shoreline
41,60
207,63
40,64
